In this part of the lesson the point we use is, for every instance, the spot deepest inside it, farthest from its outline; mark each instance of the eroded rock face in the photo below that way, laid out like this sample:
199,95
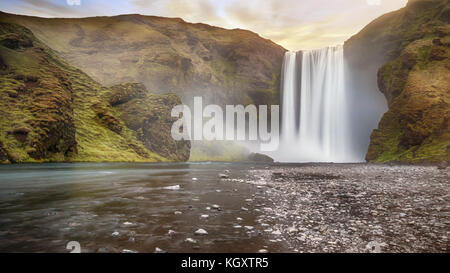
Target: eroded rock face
412,48
149,115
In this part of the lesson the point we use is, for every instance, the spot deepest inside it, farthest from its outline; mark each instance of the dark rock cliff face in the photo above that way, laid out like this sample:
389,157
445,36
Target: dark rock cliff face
51,111
167,55
409,52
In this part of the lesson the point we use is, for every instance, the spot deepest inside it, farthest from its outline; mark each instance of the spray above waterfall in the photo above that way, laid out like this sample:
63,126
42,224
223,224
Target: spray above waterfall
314,113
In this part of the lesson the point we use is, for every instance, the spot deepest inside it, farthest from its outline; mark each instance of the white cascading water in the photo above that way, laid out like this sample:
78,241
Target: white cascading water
314,112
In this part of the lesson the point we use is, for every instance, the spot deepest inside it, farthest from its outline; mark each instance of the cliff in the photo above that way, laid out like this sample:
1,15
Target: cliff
166,54
410,49
51,111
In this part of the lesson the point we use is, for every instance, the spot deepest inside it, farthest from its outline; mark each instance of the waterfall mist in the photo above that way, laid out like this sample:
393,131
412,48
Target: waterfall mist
315,112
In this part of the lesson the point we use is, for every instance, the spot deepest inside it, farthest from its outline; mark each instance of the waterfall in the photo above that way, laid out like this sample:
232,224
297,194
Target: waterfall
314,114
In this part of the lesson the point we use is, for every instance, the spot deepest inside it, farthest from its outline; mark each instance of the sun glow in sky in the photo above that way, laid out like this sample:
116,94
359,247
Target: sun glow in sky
294,24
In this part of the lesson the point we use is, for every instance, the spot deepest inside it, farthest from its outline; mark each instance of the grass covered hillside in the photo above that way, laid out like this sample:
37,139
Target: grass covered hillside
51,111
413,45
166,54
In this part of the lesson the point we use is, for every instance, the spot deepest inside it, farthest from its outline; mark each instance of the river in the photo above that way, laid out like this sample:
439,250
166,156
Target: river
125,207
122,206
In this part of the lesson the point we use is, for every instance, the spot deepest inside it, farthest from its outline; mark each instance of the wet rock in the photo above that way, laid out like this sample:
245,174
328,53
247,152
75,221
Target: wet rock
171,232
204,216
223,176
175,187
257,157
201,232
128,251
159,250
190,240
115,234
276,232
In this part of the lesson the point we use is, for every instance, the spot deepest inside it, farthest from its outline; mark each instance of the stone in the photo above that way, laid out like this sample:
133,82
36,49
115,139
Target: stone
257,157
171,232
128,251
159,250
276,232
175,187
201,232
190,240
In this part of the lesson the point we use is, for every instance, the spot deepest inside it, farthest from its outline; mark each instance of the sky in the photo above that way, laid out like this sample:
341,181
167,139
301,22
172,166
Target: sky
294,24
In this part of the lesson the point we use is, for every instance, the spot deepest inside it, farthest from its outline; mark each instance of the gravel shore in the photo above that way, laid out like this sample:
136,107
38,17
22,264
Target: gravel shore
355,207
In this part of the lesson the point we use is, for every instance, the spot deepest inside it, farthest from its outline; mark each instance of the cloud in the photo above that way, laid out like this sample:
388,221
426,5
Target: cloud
294,24
46,8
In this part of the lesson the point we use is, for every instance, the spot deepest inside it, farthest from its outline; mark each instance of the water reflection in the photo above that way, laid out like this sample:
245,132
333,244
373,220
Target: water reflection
112,207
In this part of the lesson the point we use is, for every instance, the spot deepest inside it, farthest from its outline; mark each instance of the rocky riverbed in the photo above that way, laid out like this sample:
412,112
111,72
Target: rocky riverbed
224,207
355,207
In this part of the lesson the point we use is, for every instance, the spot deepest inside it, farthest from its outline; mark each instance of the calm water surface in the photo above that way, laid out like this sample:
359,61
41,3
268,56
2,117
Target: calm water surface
112,207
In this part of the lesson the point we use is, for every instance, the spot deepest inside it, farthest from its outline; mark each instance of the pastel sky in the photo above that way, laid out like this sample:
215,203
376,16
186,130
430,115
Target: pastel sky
294,24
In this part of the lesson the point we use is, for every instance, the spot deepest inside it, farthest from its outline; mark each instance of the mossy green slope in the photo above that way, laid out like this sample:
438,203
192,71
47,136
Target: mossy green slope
415,79
166,55
51,111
